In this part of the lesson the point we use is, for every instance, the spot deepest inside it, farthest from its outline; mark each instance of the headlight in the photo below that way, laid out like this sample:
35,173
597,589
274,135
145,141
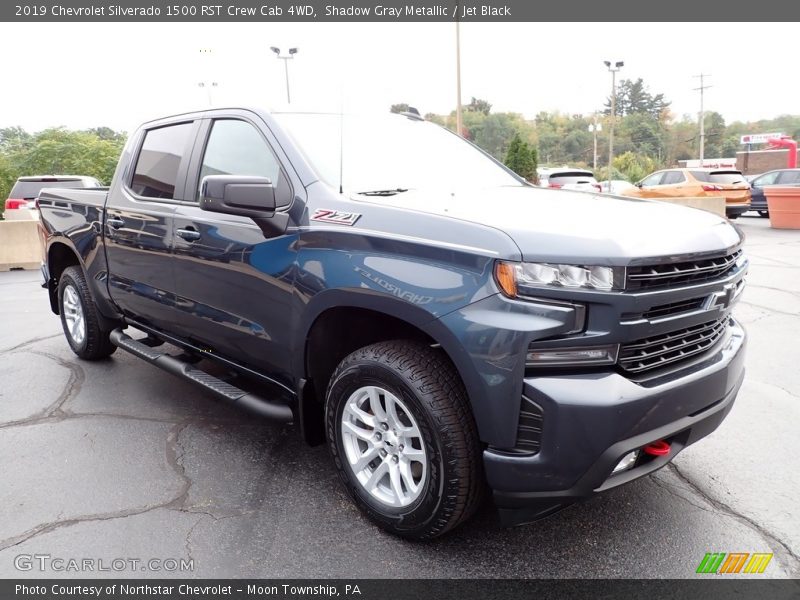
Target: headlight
512,277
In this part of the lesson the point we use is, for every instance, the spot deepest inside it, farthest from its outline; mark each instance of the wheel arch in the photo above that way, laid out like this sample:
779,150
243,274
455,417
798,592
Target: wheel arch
60,255
342,322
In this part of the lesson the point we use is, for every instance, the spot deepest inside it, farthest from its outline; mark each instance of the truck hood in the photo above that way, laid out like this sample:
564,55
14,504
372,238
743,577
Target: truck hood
567,226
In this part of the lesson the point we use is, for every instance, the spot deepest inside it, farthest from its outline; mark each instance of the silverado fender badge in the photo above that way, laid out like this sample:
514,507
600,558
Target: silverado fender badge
338,217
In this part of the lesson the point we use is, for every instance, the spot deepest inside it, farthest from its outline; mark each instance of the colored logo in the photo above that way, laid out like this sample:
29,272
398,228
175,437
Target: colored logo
735,562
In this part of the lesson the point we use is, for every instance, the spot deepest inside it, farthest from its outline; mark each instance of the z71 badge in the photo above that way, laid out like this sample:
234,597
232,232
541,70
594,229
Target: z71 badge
335,216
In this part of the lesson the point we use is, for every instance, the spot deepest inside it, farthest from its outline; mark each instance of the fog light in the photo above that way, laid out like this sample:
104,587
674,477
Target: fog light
596,355
626,462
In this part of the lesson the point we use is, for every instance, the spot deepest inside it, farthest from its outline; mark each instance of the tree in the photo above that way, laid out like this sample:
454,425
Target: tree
633,97
399,108
477,105
521,159
58,151
633,167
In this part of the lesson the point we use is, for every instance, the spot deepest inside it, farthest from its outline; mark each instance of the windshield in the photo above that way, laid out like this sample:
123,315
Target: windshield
390,153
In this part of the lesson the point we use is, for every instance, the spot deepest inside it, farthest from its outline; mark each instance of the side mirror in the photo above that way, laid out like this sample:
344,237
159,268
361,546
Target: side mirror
638,184
245,196
238,195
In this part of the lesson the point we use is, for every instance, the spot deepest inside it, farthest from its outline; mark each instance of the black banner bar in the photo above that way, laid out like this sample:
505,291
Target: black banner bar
400,11
711,588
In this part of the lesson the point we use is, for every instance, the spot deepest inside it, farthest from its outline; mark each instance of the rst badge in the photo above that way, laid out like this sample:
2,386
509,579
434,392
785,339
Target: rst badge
338,217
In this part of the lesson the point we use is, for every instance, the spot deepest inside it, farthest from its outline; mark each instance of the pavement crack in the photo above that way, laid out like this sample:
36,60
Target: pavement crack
174,454
25,344
656,478
776,386
187,542
77,377
772,310
75,381
40,418
773,289
43,528
790,558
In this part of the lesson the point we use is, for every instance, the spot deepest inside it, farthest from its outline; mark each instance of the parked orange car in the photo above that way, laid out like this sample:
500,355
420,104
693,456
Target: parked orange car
695,183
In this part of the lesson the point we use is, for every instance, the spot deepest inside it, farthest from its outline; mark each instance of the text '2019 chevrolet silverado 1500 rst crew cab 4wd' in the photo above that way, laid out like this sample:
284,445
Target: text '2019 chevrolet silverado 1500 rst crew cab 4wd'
400,295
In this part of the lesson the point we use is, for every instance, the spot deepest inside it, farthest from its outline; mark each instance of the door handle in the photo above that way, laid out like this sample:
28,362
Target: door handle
189,234
115,222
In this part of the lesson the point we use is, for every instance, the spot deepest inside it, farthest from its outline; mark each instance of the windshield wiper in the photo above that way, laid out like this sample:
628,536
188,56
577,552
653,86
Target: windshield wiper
383,192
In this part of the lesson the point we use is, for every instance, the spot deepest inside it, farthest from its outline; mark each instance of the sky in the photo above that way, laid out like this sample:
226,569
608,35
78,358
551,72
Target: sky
82,75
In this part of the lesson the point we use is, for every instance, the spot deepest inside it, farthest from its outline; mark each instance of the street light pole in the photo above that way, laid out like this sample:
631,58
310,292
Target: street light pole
285,59
594,128
617,66
459,115
208,85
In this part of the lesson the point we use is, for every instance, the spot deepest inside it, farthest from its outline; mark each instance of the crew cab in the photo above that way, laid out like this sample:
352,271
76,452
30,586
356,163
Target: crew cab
442,325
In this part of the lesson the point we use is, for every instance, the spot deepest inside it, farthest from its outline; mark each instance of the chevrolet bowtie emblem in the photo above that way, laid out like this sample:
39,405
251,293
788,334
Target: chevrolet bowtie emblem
723,298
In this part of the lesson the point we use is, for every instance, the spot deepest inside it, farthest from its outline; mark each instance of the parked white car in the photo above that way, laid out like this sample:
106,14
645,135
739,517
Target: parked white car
569,179
615,186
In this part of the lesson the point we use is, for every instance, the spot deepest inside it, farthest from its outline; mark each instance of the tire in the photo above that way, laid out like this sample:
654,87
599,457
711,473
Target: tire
79,318
763,214
423,386
734,216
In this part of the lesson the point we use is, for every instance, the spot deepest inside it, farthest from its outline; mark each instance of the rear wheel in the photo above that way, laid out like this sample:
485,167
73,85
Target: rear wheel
79,318
733,216
763,214
403,438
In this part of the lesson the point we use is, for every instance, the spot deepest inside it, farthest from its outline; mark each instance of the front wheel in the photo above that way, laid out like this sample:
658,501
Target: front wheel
403,438
79,318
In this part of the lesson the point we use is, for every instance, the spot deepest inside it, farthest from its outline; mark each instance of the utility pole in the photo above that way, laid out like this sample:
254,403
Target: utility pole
613,70
702,88
459,115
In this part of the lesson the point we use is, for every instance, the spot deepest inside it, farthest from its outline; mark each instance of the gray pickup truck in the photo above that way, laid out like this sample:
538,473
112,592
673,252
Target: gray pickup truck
445,327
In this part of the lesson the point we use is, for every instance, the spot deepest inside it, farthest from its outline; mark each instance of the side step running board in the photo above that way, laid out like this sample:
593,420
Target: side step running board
225,391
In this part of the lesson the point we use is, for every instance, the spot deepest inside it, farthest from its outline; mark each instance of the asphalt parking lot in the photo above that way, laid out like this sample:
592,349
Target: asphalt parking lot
118,459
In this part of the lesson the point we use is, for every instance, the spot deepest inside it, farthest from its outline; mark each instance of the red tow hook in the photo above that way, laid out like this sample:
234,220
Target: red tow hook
659,448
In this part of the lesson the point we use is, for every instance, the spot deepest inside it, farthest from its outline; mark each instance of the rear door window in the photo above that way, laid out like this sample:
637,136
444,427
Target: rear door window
163,149
789,177
766,179
673,177
654,179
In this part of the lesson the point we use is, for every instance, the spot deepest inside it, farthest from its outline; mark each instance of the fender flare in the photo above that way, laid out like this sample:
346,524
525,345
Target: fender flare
390,306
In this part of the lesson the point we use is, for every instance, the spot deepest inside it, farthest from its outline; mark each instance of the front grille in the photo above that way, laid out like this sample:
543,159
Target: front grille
529,430
667,310
669,348
680,273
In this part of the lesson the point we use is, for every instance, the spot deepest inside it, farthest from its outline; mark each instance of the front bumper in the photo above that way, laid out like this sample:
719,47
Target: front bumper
590,421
